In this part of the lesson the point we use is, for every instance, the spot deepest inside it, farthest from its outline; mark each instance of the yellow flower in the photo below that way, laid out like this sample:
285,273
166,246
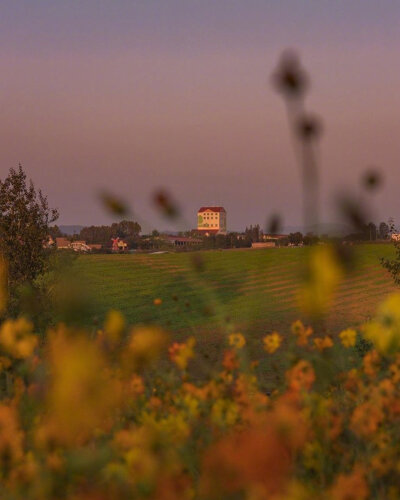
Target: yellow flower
384,330
114,326
224,412
11,437
313,455
192,405
302,333
172,428
80,380
236,340
272,342
348,337
146,344
323,343
323,276
17,339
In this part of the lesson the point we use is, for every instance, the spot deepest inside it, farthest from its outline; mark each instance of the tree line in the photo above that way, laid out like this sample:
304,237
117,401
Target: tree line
127,230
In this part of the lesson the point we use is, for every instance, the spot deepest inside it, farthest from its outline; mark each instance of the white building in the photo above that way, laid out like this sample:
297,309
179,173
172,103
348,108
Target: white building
211,220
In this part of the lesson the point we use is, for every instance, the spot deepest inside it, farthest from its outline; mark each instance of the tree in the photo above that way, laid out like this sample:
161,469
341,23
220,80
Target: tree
24,227
393,266
391,224
371,231
295,238
383,230
126,230
253,232
55,232
310,239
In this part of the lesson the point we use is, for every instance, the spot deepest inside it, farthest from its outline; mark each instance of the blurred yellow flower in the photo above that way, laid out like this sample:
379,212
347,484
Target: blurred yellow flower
384,330
192,405
82,390
224,412
348,337
146,344
114,326
17,339
323,276
313,455
11,437
272,342
236,340
172,428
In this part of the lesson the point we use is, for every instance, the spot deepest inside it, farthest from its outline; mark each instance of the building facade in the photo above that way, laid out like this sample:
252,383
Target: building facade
211,220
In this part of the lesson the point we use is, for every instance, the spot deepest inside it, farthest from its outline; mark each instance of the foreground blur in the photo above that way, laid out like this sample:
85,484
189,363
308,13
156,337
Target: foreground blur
119,414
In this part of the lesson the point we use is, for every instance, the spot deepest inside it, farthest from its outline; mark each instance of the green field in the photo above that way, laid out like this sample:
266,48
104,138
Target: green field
253,291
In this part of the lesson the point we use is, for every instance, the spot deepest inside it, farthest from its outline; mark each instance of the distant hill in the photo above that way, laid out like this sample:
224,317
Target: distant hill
329,228
71,230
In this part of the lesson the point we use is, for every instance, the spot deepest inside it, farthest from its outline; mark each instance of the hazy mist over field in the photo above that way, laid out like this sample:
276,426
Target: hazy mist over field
132,96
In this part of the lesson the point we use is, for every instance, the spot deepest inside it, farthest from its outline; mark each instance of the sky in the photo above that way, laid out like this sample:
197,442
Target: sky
132,96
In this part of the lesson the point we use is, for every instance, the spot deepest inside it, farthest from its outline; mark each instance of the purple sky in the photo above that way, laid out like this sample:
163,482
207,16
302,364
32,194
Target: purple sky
131,96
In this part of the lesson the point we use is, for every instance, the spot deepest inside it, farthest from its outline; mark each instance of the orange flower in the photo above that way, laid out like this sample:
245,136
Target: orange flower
263,460
322,343
366,419
352,381
371,363
181,353
301,376
350,486
136,386
230,361
258,457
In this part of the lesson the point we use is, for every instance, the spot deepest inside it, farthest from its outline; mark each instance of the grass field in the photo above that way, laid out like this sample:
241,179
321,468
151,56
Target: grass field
253,291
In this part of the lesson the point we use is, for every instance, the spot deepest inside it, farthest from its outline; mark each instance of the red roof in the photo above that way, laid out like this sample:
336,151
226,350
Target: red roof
213,209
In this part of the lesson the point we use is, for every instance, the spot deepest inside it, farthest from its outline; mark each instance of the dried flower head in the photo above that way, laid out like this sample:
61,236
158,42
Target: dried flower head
165,204
290,78
274,224
372,179
309,127
114,205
